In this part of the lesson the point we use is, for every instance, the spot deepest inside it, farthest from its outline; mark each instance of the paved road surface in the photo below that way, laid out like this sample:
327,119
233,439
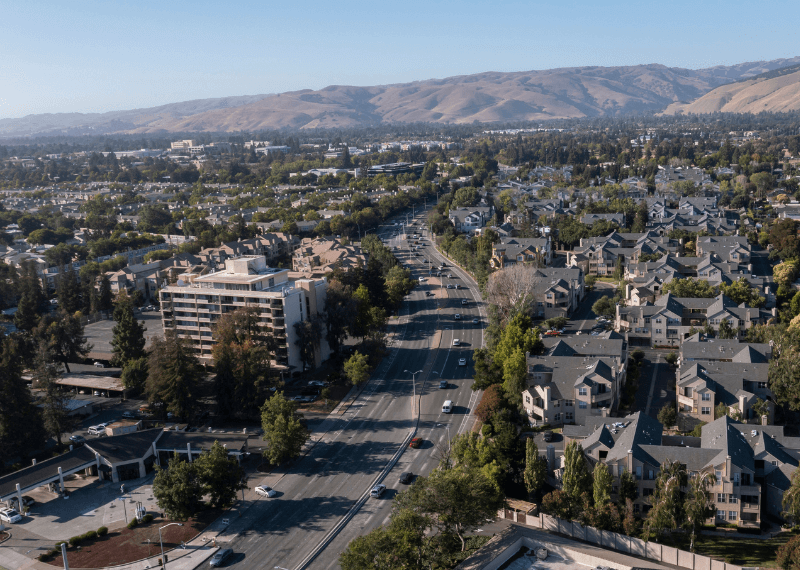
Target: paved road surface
322,487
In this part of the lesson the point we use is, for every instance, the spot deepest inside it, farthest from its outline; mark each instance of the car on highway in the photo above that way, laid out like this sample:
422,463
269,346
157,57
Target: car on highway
464,301
475,321
421,279
428,294
265,491
449,275
596,333
456,342
77,439
405,478
221,556
449,286
415,442
462,361
377,490
458,316
10,516
442,384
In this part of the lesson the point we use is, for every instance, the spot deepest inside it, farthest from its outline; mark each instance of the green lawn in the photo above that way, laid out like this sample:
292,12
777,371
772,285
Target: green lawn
738,549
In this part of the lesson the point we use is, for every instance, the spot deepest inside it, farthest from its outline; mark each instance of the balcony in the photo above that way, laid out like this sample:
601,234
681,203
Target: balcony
686,400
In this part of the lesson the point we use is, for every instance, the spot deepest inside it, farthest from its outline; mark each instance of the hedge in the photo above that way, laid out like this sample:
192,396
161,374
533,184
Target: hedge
102,531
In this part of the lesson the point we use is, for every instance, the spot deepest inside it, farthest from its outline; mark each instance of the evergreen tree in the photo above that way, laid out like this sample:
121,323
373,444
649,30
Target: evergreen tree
20,421
68,292
602,484
31,301
62,335
134,374
55,405
173,376
284,433
128,339
105,300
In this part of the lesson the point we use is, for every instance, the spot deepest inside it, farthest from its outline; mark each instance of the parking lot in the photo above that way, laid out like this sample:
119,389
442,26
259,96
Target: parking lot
99,334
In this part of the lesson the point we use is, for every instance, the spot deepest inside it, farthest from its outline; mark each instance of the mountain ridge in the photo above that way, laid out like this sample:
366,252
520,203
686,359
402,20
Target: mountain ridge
486,97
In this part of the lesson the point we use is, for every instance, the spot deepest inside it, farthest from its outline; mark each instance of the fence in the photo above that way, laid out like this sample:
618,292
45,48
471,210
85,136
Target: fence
619,542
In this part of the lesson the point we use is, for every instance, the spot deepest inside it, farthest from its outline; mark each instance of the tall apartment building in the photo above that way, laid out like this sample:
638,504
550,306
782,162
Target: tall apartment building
193,306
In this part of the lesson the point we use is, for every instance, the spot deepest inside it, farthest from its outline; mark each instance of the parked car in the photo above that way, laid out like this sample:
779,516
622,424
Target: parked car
221,556
462,361
99,365
128,415
96,430
10,516
320,383
415,442
405,478
77,439
547,435
377,490
552,333
265,491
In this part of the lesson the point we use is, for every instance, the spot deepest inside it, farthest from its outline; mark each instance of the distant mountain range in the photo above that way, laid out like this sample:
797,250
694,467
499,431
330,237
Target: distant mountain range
563,93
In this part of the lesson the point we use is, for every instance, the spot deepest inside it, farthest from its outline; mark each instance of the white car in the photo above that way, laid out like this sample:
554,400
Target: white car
377,490
96,430
462,361
10,516
421,279
475,321
456,342
265,491
464,301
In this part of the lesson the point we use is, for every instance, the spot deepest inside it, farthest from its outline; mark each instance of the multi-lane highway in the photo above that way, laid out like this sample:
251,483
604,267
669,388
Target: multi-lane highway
325,487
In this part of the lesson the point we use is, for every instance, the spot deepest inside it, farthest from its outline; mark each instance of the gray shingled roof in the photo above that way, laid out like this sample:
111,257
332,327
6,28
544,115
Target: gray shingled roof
643,430
725,435
125,447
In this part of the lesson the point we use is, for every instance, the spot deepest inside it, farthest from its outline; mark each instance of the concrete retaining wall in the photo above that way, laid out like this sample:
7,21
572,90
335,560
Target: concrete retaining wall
612,541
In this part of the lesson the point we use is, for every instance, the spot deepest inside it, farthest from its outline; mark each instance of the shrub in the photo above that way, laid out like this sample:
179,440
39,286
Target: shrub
91,535
147,518
133,523
75,540
102,531
788,556
486,430
637,355
671,358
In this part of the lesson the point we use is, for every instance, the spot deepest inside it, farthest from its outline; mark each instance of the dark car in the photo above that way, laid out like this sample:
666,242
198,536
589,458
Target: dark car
547,436
221,556
442,384
405,478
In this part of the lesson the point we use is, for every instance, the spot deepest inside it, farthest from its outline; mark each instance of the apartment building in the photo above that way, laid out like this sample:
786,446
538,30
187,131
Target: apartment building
467,220
671,319
195,303
751,464
558,291
511,251
577,380
601,255
316,257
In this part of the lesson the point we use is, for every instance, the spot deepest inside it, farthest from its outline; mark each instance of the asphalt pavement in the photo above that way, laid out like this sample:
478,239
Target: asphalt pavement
327,486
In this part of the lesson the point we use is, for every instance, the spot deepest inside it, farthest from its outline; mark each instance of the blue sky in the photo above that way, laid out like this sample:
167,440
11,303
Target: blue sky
83,56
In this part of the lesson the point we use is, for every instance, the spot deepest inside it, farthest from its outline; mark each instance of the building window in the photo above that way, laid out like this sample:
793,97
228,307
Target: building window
581,391
647,492
721,515
658,331
582,405
731,515
732,499
720,497
705,410
706,397
557,418
527,399
568,417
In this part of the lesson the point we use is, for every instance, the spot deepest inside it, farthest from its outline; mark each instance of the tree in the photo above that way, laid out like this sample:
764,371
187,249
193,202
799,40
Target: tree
283,428
690,288
62,334
491,402
515,374
740,291
760,408
605,306
357,369
602,481
699,506
55,404
31,301
557,504
791,498
628,490
668,508
177,489
668,414
456,499
134,375
68,291
339,313
173,376
20,422
641,218
720,410
242,363
220,476
788,555
309,337
535,468
512,289
127,342
784,376
105,297
576,479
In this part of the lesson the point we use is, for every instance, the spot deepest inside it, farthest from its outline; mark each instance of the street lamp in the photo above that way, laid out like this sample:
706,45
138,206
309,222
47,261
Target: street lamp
162,543
414,387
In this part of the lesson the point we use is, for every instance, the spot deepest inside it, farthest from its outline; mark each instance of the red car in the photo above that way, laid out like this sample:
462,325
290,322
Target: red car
415,442
552,333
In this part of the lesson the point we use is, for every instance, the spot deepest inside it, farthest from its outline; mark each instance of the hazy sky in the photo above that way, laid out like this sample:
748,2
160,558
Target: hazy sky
100,56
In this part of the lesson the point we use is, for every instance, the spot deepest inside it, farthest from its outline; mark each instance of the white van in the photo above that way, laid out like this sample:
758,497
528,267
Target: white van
447,407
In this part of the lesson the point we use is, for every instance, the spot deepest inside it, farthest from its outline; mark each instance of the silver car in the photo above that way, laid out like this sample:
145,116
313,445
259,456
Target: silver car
220,556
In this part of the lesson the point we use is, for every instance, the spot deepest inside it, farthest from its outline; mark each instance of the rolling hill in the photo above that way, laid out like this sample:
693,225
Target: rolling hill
484,97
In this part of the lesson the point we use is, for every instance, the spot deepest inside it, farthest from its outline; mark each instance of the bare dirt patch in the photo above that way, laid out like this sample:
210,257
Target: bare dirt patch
131,544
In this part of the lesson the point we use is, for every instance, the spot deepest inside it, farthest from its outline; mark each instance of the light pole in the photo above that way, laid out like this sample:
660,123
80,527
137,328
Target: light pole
414,387
162,542
447,427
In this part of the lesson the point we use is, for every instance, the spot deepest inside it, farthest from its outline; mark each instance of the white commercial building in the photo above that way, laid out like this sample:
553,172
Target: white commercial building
193,306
